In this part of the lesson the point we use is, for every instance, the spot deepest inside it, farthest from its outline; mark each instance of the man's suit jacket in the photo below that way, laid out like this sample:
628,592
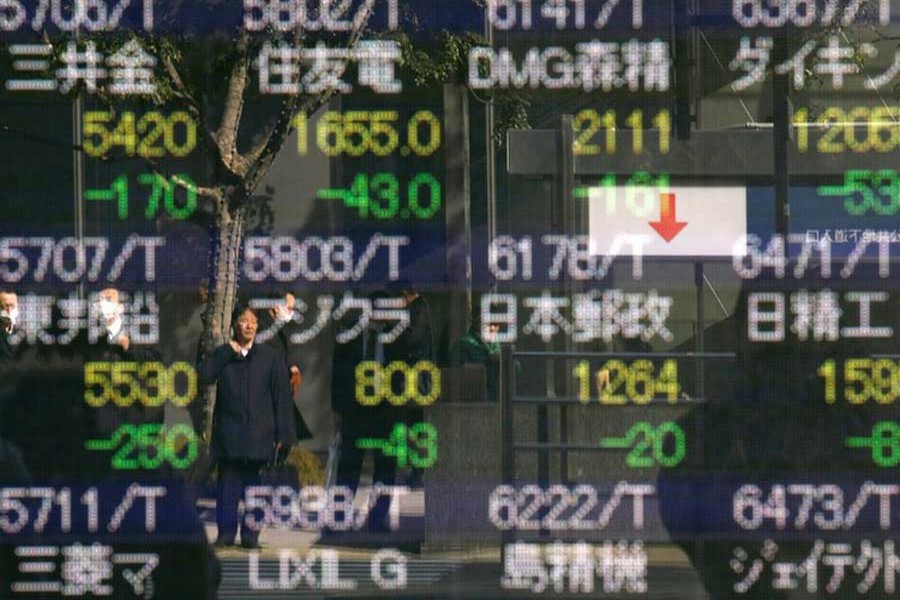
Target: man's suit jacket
254,409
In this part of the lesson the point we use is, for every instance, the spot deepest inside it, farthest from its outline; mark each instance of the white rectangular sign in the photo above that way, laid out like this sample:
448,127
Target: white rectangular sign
673,221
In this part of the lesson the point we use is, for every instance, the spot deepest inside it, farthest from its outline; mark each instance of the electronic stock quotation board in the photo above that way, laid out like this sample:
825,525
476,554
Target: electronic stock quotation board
566,298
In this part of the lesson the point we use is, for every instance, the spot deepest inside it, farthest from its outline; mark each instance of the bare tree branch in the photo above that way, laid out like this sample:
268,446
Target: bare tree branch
179,89
226,134
260,157
208,192
194,107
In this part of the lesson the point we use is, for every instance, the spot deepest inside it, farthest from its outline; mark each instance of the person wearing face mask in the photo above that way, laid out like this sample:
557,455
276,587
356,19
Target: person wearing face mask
12,464
115,346
282,315
111,310
9,317
252,420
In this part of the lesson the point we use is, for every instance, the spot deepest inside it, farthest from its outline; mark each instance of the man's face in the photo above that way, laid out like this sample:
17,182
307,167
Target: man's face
9,309
109,304
490,330
9,301
245,328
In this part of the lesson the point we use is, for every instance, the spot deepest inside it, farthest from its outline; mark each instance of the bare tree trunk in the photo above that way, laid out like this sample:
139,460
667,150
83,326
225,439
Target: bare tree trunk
222,295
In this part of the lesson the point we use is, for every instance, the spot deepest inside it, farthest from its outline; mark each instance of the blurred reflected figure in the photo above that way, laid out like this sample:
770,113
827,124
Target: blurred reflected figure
9,317
472,349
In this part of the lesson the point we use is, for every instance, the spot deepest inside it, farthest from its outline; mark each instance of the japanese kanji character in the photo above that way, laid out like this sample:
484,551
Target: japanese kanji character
324,304
131,70
752,574
628,318
633,57
546,320
41,64
838,557
656,308
558,561
506,320
622,566
523,568
36,316
840,236
609,321
377,60
865,329
622,314
389,310
587,316
812,236
581,568
101,312
876,83
833,59
80,66
85,568
326,71
142,318
657,66
42,567
797,64
138,579
599,65
752,59
279,69
819,312
763,324
74,317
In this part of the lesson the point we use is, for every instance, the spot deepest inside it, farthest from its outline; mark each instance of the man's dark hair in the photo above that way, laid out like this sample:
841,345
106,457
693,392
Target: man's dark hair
241,309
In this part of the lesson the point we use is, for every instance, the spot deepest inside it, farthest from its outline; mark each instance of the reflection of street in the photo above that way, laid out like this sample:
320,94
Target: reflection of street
475,574
302,564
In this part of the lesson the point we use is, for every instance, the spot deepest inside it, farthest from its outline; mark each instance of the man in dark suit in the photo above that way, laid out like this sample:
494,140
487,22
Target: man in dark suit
12,465
356,421
115,346
282,315
253,418
414,344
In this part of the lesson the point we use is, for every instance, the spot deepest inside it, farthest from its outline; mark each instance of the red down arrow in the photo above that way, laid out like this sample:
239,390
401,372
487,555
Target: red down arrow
667,226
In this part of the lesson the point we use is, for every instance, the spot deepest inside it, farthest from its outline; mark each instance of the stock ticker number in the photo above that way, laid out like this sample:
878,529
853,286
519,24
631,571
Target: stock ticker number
648,446
883,442
867,192
150,383
359,132
864,379
639,380
149,446
397,383
588,123
837,132
411,445
378,196
153,135
162,195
